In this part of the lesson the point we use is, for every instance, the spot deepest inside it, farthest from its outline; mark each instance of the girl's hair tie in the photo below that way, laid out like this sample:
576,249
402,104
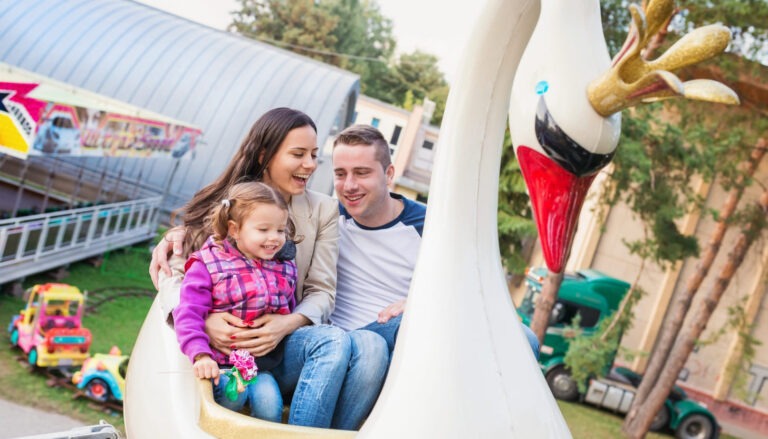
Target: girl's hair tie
225,202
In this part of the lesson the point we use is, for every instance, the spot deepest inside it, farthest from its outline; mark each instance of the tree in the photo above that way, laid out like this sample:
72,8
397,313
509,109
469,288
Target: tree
517,230
418,73
673,348
350,34
654,168
297,25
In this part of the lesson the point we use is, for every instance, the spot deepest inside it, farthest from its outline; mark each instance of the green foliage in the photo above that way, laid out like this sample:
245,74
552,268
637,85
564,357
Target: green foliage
592,355
350,34
408,100
297,24
517,230
615,18
745,18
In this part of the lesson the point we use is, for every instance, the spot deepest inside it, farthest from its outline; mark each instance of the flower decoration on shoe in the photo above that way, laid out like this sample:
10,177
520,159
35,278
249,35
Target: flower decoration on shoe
243,372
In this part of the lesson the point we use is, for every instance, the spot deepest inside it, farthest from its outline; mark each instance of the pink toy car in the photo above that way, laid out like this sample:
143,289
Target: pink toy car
49,328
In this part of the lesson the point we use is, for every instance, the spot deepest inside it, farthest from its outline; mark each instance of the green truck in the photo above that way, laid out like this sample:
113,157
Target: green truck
595,296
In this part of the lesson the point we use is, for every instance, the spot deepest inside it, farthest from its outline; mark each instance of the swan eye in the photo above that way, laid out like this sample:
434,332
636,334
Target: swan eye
542,87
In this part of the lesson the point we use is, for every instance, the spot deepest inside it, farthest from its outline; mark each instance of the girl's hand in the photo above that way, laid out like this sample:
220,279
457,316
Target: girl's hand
173,240
222,329
269,330
205,367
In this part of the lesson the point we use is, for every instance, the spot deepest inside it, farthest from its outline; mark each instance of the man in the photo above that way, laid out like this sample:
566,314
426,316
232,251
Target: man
379,237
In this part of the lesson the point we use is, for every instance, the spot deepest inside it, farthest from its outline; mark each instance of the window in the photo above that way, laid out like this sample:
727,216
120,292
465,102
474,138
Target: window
375,122
564,312
428,145
395,135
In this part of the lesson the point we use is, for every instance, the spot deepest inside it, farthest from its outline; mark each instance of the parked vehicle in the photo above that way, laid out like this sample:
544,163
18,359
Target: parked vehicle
689,419
49,329
594,296
102,376
588,293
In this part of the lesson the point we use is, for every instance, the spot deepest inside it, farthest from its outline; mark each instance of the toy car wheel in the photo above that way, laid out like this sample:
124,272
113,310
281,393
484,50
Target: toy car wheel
15,338
32,357
661,420
562,384
98,390
695,426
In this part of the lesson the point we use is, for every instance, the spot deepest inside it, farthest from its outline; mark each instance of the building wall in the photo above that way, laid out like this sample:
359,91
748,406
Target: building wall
368,111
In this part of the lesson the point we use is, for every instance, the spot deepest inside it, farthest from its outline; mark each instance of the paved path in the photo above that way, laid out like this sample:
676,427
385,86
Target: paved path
18,421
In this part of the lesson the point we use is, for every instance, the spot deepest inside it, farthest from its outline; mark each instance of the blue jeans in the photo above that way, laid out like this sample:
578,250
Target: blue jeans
532,340
389,331
368,366
263,397
314,366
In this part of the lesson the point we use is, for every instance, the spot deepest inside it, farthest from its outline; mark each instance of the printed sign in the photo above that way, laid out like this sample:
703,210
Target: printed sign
18,118
30,126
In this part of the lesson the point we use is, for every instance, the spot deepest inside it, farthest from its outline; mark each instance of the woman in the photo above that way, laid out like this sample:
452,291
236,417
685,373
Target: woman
281,150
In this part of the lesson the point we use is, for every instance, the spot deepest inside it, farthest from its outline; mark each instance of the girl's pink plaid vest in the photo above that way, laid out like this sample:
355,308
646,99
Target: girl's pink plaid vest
247,288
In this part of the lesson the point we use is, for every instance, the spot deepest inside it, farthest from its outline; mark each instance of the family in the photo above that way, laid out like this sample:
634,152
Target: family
313,288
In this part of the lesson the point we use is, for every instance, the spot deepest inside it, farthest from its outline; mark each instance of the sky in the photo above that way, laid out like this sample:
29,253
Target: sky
438,27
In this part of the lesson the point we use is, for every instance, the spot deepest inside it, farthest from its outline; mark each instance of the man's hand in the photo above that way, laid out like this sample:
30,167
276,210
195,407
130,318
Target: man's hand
268,330
221,328
173,238
393,310
205,367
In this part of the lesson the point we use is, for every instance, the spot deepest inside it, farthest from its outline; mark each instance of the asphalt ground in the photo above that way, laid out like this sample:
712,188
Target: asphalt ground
17,421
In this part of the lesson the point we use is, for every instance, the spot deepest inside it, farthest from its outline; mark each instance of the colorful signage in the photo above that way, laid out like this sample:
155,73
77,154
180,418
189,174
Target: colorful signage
30,126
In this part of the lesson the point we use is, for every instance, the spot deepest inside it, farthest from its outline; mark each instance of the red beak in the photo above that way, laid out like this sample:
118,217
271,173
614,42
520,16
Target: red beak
556,196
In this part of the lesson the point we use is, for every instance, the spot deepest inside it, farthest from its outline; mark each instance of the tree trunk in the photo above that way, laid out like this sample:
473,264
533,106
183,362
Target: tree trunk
681,302
687,340
544,305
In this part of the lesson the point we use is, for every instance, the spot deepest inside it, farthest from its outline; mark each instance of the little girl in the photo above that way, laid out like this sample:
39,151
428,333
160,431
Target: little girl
241,270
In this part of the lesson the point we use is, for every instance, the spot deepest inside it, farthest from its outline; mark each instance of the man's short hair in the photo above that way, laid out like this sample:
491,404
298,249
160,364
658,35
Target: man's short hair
366,135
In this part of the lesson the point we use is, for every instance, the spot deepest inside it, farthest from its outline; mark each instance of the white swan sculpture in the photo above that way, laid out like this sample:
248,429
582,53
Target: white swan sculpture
462,367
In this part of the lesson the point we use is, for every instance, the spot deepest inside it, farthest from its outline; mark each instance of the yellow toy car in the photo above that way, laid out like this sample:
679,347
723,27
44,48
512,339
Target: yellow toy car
102,376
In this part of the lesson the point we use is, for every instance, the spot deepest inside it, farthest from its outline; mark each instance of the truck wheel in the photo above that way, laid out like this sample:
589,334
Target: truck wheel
562,384
661,420
98,390
695,426
15,338
32,357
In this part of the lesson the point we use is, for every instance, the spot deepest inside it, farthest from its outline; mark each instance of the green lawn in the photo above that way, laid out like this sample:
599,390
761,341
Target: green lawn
115,323
118,322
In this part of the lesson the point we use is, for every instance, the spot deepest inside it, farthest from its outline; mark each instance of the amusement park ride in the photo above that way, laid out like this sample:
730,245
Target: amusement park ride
462,367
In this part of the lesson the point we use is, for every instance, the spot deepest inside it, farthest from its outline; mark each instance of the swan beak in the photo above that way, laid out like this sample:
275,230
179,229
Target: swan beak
556,196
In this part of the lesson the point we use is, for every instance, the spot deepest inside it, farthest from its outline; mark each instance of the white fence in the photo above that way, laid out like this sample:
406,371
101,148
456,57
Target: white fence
37,243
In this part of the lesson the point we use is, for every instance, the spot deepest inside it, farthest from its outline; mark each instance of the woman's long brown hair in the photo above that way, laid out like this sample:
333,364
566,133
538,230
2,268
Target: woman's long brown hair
249,163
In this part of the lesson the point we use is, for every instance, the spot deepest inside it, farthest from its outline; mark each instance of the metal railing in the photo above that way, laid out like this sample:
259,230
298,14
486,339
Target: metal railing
37,243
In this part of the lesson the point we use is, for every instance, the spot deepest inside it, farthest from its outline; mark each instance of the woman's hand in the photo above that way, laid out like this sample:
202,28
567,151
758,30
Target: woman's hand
173,240
268,330
221,328
205,367
392,310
